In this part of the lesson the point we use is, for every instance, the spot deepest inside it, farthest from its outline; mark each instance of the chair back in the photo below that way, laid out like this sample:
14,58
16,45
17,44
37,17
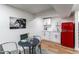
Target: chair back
24,36
38,37
35,41
37,45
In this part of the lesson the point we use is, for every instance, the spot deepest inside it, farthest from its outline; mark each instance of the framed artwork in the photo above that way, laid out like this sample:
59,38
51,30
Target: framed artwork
17,23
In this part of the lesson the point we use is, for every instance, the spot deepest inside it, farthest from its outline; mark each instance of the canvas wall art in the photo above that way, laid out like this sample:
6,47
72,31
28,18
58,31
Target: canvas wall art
17,23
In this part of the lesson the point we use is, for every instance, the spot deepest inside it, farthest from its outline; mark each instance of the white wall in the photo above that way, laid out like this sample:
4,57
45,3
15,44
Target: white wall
36,26
11,35
76,30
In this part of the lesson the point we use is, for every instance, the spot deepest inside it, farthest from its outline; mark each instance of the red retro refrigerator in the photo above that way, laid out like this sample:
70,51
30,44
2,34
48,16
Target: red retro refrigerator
67,34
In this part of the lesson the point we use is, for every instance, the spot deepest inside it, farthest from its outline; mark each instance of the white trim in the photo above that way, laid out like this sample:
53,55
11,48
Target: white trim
76,30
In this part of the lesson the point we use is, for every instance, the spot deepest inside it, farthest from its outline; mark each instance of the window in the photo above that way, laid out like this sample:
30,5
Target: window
47,21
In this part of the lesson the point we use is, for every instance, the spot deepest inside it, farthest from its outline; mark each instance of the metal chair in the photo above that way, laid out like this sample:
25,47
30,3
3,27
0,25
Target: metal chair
38,44
9,48
2,51
24,42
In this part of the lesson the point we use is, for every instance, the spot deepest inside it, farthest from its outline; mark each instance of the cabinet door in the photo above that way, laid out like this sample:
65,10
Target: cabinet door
67,39
67,35
69,27
63,38
70,39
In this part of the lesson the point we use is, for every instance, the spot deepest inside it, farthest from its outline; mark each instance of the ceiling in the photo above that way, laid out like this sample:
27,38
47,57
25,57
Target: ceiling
75,7
63,10
33,8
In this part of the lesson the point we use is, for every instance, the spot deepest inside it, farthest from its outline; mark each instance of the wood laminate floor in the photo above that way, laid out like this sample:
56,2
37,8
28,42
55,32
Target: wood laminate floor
57,48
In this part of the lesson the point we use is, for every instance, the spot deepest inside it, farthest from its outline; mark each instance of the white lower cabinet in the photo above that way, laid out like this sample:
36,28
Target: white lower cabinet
53,36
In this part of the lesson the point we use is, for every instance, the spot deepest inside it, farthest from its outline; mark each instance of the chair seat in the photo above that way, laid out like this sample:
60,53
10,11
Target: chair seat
9,47
24,44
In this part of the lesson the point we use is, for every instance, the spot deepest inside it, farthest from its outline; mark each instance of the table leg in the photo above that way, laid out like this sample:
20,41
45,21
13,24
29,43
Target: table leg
33,50
40,48
29,50
23,49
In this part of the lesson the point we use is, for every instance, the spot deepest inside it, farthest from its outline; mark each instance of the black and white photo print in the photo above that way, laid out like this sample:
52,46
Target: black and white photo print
17,23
